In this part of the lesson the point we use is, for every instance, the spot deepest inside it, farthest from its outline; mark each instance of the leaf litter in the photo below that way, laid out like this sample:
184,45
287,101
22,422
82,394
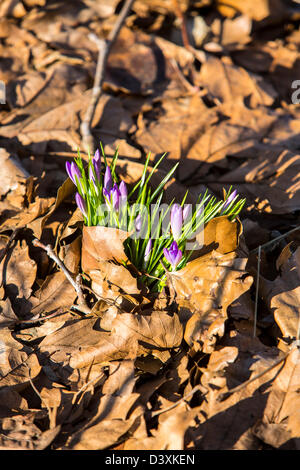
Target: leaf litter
206,364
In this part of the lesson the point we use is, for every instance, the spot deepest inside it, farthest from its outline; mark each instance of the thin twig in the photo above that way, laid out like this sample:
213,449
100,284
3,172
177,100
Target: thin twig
104,47
256,293
271,242
11,238
60,264
184,398
224,396
180,16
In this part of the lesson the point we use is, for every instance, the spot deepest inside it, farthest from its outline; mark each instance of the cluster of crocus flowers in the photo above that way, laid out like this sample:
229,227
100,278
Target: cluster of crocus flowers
103,199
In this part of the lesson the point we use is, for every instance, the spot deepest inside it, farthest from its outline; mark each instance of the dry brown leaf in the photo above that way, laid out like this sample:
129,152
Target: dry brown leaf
101,247
17,275
229,83
281,419
16,366
102,244
227,424
102,435
204,289
7,315
283,296
222,234
159,330
66,345
263,8
12,172
270,179
56,292
20,433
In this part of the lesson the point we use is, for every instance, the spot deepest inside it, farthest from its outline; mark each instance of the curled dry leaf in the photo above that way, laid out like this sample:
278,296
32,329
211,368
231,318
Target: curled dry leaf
221,234
102,247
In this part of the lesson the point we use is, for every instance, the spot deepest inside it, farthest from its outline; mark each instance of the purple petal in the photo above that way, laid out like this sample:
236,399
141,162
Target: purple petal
176,221
138,223
173,255
148,249
97,163
200,211
108,179
123,189
68,169
81,204
116,197
75,171
230,199
107,195
186,212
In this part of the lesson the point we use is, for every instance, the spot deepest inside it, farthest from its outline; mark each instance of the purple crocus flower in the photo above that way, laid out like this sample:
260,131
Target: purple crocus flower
229,200
116,196
81,203
176,221
123,194
92,179
123,189
173,255
73,170
138,223
148,250
108,181
97,163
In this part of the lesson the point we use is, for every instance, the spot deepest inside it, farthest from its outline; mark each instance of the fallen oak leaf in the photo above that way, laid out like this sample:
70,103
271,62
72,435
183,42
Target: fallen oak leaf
158,330
283,295
102,244
204,289
102,248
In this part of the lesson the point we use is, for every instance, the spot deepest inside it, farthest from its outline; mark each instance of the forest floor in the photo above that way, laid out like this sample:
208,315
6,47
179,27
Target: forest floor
215,85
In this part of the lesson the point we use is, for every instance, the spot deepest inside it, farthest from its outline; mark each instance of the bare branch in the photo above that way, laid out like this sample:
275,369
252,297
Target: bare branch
104,47
75,283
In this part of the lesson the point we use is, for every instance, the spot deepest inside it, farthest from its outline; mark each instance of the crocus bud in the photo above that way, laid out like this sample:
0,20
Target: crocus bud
92,178
138,223
108,179
123,189
173,255
176,221
123,194
107,195
81,204
186,212
148,250
97,163
200,211
72,170
116,197
229,200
